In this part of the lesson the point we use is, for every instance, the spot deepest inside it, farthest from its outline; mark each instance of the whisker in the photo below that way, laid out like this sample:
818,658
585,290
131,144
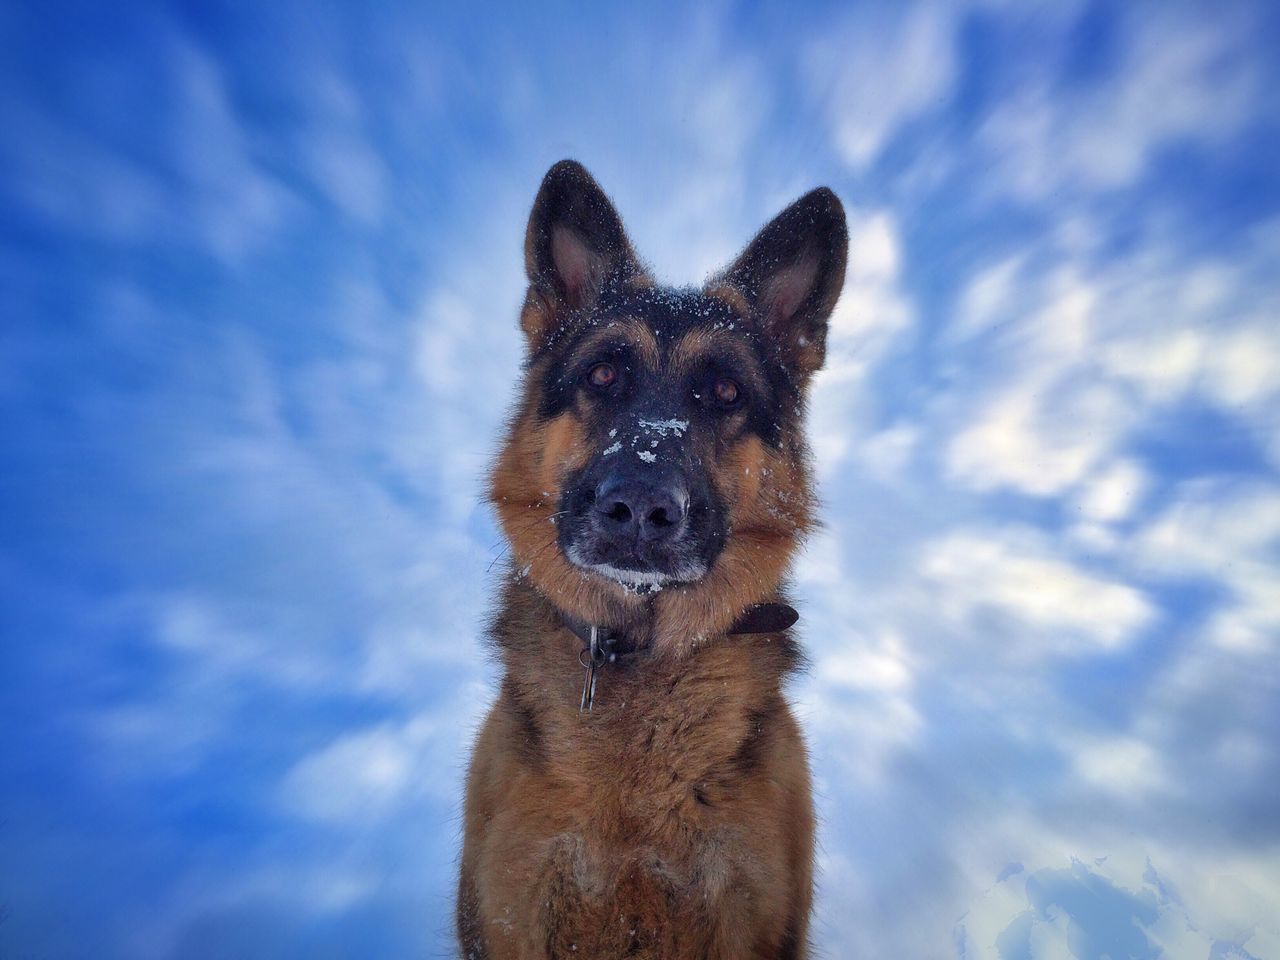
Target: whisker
543,549
506,548
531,522
525,528
537,553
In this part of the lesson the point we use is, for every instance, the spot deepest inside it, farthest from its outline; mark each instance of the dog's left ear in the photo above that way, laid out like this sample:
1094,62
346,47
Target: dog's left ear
574,247
790,277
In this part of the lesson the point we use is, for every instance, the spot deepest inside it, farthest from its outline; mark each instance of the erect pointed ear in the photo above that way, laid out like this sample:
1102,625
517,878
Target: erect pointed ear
574,247
790,277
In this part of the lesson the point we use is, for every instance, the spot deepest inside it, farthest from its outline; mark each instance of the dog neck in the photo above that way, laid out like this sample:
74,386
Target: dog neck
603,647
544,648
757,618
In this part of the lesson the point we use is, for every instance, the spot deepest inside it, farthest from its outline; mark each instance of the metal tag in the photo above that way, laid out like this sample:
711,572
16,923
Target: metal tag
595,656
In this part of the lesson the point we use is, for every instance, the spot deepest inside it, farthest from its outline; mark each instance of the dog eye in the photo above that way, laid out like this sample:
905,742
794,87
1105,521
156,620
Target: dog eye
602,375
727,392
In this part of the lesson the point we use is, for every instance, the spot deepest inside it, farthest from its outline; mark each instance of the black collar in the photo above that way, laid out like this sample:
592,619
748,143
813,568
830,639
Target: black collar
603,645
757,618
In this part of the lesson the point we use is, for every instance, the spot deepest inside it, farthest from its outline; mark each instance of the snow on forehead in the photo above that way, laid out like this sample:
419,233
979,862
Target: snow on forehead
683,304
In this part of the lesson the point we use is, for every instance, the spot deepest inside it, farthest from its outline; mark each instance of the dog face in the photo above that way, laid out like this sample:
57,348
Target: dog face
656,458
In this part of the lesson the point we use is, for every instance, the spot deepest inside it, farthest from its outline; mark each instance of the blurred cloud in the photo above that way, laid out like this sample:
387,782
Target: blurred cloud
1173,79
1054,606
880,67
361,777
871,315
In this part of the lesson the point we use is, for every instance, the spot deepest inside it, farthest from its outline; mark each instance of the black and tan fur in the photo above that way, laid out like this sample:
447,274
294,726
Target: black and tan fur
674,819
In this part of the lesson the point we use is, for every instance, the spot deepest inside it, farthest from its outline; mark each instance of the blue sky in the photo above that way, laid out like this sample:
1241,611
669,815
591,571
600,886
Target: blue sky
259,273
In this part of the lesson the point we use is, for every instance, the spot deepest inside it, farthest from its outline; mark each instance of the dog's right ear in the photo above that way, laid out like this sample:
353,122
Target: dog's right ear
574,247
790,277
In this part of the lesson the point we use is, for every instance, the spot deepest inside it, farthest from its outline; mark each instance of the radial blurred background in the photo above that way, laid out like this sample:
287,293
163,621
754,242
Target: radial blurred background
259,272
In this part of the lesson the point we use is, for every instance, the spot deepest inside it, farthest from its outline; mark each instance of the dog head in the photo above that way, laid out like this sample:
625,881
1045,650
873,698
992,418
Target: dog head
655,465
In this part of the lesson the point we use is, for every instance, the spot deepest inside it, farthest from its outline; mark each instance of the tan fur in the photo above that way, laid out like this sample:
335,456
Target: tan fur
634,332
525,487
734,298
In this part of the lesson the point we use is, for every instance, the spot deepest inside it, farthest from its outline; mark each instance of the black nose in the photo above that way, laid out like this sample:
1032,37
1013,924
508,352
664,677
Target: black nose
628,507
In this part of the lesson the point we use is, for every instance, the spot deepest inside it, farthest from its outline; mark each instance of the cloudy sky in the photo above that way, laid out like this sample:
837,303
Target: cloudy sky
259,273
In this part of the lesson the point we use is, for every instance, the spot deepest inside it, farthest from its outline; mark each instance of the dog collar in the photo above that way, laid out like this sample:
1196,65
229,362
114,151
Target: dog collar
603,645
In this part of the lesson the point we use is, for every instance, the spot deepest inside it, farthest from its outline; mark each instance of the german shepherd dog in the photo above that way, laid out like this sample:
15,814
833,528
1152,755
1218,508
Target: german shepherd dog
640,787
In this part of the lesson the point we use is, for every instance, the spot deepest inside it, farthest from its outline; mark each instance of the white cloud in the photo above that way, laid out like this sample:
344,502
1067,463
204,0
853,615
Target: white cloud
198,185
364,776
696,221
674,151
983,615
879,69
1252,624
1037,439
1178,79
1093,538
1049,424
1054,605
1226,533
886,666
872,308
887,453
864,721
1049,913
444,341
819,560
1126,766
1121,895
217,654
1243,366
987,297
1238,367
1211,527
236,202
204,631
1112,493
872,314
1078,357
337,151
1163,365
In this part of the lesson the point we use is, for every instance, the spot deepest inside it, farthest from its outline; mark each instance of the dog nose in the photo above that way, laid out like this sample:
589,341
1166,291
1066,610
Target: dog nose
628,507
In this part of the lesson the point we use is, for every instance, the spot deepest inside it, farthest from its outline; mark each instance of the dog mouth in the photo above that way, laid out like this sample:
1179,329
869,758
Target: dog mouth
647,578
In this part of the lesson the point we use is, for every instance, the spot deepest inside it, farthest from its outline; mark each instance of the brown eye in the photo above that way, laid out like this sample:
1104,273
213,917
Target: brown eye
602,375
726,392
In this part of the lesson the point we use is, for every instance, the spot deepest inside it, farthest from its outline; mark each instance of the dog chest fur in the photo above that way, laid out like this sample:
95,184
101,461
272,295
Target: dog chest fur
678,804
